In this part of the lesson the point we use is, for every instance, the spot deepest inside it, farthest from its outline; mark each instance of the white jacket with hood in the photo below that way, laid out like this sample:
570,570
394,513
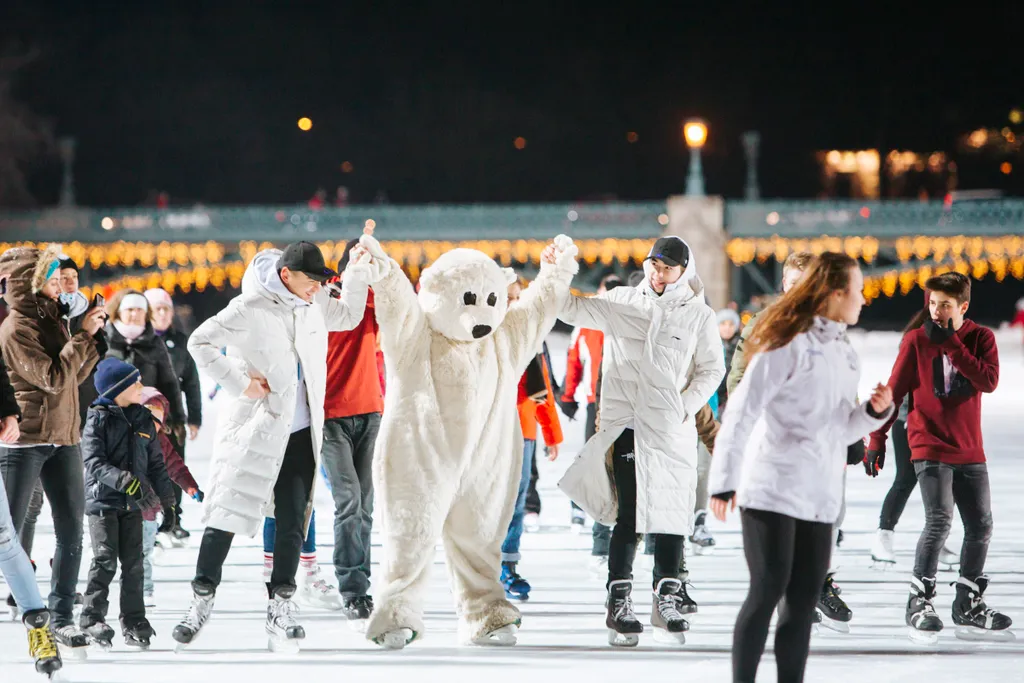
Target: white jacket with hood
786,428
663,360
270,331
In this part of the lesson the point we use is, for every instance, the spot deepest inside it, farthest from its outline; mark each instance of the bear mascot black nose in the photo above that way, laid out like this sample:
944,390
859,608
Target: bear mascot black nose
480,331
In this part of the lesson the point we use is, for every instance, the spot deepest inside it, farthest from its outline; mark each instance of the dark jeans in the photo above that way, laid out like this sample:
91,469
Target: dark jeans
942,487
180,447
787,558
60,470
270,536
532,497
668,548
291,496
28,527
510,546
116,537
347,458
904,482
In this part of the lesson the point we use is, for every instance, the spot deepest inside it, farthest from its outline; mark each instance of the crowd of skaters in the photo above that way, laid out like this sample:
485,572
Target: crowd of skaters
118,371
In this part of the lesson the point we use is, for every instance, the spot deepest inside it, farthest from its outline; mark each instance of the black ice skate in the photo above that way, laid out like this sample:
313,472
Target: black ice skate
283,630
187,630
71,640
702,542
835,614
42,645
666,617
623,627
138,635
100,634
924,623
358,610
973,618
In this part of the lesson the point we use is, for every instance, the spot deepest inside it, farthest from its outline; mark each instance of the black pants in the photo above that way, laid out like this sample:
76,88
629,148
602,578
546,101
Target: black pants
942,487
532,497
904,483
668,548
60,470
291,496
116,537
787,558
347,457
180,447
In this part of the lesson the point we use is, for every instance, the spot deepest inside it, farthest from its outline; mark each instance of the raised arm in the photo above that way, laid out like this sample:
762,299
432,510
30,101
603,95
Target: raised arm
982,371
709,367
765,376
27,358
217,332
395,303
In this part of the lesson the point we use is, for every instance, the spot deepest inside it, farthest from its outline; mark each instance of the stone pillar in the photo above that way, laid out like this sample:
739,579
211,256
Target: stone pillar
701,222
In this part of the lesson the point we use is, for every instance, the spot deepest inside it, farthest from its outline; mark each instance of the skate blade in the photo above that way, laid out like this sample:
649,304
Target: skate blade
923,637
499,637
703,549
77,653
395,640
58,676
974,633
829,624
283,646
181,647
577,529
666,637
102,645
358,625
518,597
616,639
948,567
882,565
327,604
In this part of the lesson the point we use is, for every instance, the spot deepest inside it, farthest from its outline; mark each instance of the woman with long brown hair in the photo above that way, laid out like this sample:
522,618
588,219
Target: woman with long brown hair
800,391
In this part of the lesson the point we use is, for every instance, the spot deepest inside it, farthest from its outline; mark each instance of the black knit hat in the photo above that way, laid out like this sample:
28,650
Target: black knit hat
66,263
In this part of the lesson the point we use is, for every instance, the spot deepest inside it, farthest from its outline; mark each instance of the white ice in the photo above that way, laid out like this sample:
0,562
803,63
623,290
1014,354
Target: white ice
563,630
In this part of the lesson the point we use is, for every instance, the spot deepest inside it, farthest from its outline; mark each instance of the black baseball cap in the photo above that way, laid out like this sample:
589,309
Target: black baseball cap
671,251
305,257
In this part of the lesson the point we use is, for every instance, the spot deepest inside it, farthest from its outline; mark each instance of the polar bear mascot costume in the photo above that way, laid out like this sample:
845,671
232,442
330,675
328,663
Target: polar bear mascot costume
449,454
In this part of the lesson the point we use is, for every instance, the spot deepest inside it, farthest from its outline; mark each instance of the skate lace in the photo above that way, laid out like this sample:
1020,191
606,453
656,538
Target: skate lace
832,593
979,608
668,607
284,614
623,609
41,644
197,614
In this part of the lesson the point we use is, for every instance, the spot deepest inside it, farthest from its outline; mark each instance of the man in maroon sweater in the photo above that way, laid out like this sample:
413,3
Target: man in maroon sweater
945,366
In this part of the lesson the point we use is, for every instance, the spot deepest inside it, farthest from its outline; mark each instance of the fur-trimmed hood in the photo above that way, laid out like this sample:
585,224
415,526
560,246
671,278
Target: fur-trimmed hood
24,269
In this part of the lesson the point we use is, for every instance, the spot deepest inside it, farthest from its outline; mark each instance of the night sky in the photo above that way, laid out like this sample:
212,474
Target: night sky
426,99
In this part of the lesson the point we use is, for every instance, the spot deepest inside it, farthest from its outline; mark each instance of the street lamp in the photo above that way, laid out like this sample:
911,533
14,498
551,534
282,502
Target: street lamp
695,132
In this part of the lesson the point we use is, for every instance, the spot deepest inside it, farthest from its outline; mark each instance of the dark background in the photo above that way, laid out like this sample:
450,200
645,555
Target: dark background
201,99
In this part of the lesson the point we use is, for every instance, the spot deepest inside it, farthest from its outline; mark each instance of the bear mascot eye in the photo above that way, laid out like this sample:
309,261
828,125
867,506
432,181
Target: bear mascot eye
469,298
492,299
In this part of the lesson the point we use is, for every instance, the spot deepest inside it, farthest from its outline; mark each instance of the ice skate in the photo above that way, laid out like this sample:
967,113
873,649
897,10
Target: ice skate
504,636
924,623
702,542
42,645
516,587
283,631
835,614
882,555
315,592
579,519
165,540
358,610
531,522
72,641
948,560
624,628
148,600
598,565
187,630
395,640
684,603
973,618
12,608
138,635
666,617
181,535
99,632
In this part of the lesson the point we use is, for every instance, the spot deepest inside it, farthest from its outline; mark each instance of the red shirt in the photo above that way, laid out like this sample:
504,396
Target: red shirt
353,381
947,428
584,358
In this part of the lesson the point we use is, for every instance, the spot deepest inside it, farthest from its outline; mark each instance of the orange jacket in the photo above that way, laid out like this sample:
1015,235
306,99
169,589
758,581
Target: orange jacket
531,411
583,363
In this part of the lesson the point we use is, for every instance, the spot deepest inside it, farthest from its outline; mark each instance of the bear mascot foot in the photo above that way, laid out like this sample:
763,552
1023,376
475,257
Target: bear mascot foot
500,637
395,640
495,625
394,624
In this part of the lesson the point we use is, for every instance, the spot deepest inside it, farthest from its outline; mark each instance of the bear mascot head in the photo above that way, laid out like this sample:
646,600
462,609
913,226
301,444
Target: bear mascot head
464,294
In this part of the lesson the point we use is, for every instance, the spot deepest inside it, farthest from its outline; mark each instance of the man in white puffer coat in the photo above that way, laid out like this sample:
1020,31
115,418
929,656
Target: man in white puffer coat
662,362
269,435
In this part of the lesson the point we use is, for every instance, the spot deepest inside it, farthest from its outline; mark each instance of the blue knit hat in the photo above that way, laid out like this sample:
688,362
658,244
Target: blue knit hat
114,376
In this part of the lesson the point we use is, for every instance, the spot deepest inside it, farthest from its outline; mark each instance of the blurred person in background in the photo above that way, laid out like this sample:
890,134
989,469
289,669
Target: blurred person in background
46,364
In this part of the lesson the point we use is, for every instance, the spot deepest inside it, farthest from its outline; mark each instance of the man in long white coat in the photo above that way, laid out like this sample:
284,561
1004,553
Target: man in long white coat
662,362
270,432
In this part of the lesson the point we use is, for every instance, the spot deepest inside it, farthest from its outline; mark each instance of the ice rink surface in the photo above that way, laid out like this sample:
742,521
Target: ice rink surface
563,630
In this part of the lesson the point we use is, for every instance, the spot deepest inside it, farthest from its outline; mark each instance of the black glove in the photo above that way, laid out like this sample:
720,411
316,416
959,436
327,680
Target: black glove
855,453
569,408
170,519
938,334
874,461
101,343
131,486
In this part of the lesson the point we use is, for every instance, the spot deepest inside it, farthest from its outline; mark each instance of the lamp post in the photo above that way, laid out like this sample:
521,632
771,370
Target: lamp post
695,133
751,143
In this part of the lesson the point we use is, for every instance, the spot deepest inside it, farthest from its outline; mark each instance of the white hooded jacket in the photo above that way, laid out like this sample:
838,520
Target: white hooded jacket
662,362
782,445
270,331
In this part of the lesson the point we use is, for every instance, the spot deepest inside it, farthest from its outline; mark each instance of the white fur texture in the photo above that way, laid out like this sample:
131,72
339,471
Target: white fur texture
448,457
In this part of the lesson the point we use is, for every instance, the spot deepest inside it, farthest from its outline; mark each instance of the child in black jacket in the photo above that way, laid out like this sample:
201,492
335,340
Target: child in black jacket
124,475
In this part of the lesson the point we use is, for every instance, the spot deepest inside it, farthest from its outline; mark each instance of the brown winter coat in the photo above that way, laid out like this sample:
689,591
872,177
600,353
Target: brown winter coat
45,362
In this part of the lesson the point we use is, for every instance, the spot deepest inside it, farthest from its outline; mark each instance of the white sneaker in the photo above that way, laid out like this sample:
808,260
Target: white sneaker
531,522
881,548
314,591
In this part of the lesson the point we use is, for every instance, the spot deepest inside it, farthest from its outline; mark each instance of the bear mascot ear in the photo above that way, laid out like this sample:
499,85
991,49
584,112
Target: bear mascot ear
510,275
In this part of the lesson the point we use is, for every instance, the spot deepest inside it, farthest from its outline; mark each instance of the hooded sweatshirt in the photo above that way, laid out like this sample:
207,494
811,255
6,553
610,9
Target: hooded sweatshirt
265,267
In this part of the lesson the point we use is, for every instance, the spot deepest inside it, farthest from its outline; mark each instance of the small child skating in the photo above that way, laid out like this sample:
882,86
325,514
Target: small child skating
159,406
124,476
